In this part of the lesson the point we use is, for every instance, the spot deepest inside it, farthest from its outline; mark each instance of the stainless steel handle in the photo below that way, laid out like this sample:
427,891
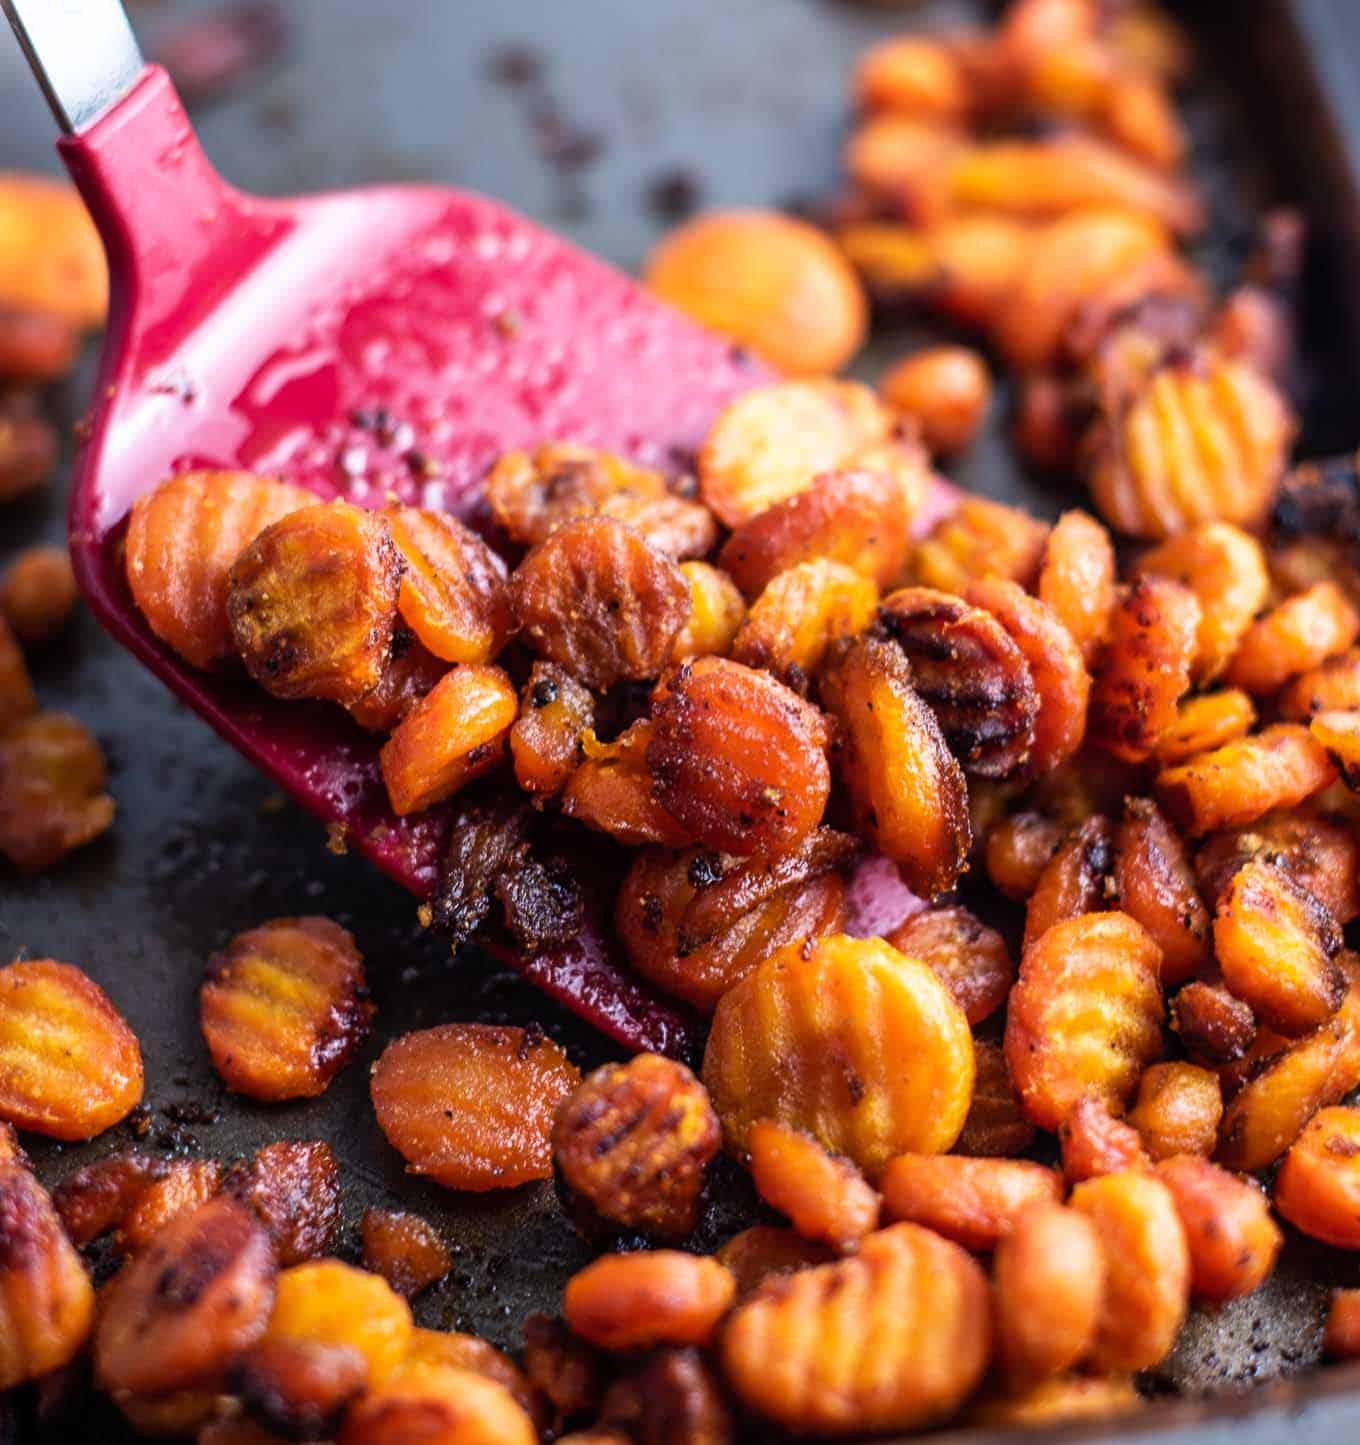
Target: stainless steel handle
83,53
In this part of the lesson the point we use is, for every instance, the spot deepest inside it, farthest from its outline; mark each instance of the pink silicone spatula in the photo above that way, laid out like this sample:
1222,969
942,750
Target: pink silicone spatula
252,333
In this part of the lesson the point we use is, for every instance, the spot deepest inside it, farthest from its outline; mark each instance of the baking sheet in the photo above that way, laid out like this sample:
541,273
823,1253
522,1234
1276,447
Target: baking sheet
732,103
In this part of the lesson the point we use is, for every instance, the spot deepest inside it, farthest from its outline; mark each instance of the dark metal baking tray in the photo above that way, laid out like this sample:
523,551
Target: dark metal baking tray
746,99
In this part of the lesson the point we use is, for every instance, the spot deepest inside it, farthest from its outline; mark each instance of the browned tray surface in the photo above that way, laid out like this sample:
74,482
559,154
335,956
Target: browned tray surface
746,98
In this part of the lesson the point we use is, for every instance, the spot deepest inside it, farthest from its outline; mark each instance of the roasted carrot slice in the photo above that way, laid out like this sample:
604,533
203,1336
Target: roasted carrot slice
1318,1187
1225,568
453,594
910,1352
38,593
1077,579
1233,1240
883,1065
404,1249
907,791
313,603
633,1145
827,1199
1210,720
454,734
974,1202
1086,1016
1242,781
46,1298
1049,1283
472,1105
1178,1110
52,798
284,1008
182,539
1147,1268
51,258
768,445
649,1298
738,759
797,303
69,1065
1298,635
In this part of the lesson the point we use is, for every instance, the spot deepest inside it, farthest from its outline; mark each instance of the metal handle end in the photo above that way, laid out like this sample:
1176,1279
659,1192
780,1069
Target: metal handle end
83,53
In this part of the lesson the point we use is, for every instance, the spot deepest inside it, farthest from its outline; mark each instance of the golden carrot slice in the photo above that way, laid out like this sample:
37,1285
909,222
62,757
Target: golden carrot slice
182,539
861,1046
284,1008
453,594
893,1338
454,734
46,1298
69,1065
1086,1016
472,1105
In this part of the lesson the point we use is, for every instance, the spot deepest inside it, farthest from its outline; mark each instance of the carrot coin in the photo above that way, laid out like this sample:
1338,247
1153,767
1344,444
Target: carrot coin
771,283
454,734
326,1302
1061,682
1077,580
1318,1187
715,615
432,1402
1225,568
1178,1110
768,445
46,1298
312,603
185,1185
633,1144
1285,1089
1206,721
1048,1289
1278,767
648,1298
825,1196
404,1249
893,1338
51,258
1277,946
907,791
970,673
453,593
52,798
860,516
1086,1015
1341,1336
1233,1239
1145,671
1147,1268
472,1105
946,391
182,540
1298,635
293,1187
738,759
69,1065
1074,881
971,958
1155,885
596,598
38,593
861,1046
284,1008
974,1202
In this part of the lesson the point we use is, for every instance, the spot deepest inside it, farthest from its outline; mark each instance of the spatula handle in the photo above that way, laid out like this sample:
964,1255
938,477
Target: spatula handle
82,52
